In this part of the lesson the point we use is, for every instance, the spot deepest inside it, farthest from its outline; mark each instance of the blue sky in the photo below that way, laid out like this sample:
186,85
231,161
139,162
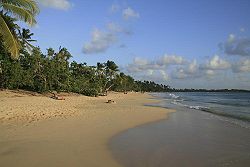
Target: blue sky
194,44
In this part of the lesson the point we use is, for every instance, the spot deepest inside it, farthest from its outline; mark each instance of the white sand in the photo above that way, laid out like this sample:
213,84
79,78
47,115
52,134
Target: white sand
40,131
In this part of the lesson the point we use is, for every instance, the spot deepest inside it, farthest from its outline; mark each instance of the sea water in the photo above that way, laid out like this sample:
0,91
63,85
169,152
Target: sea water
207,129
231,106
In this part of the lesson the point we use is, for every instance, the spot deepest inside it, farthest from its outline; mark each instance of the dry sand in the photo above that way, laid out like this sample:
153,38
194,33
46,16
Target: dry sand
39,131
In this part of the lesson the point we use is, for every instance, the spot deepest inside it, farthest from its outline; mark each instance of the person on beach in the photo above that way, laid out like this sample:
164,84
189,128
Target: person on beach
55,96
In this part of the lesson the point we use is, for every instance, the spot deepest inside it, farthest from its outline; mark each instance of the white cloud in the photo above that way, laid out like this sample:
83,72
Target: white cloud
193,67
216,63
242,66
129,13
214,67
154,69
234,45
191,70
183,69
159,76
215,72
195,70
57,4
150,72
140,61
164,75
179,73
100,42
210,72
132,69
115,28
170,60
141,64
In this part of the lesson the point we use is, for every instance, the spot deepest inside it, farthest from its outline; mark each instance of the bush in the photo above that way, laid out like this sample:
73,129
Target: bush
90,92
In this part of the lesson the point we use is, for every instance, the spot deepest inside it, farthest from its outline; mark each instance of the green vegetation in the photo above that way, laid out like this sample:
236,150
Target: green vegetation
15,10
52,71
23,66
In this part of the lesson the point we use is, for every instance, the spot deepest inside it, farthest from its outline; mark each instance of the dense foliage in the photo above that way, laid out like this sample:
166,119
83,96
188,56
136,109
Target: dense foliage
52,71
23,66
17,10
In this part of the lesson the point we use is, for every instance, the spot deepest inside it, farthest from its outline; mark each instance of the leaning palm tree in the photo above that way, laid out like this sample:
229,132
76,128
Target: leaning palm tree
23,10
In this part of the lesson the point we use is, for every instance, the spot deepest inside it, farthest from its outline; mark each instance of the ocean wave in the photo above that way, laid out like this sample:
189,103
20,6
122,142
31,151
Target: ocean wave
213,111
232,103
173,96
178,102
202,108
230,115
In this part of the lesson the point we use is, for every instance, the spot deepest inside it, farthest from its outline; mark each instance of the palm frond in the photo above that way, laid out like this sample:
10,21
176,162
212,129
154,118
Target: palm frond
29,5
20,13
10,41
29,46
31,40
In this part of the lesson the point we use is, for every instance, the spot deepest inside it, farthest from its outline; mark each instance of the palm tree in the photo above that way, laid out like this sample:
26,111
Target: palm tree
111,73
25,37
111,69
23,10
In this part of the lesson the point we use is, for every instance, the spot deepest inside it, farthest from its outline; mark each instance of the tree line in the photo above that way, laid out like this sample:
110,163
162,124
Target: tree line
53,71
23,66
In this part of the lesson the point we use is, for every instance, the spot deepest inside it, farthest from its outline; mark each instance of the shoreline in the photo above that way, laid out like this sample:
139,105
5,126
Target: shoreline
79,137
186,138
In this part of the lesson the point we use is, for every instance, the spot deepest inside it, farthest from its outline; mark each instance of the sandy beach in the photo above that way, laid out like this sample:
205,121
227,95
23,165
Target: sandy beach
36,130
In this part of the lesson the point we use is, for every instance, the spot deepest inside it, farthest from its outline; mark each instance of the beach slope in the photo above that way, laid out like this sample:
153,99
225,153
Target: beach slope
36,130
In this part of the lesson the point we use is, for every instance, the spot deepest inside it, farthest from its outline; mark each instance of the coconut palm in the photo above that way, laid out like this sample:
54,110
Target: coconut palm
23,10
111,73
25,37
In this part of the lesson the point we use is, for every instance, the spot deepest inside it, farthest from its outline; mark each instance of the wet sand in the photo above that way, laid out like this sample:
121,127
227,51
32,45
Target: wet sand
39,131
188,138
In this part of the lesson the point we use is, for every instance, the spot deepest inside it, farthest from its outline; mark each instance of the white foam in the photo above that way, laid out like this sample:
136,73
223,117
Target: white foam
173,96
